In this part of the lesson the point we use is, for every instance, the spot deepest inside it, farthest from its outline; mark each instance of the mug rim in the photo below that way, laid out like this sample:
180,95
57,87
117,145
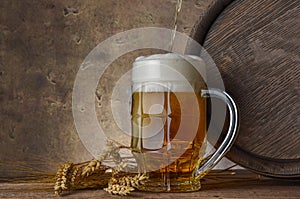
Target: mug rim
167,56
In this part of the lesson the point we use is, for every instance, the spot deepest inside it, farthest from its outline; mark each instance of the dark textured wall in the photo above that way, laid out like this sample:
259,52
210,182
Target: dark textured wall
42,44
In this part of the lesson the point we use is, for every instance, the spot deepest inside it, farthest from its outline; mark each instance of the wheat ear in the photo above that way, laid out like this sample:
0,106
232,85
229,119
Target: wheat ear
74,176
63,178
125,184
117,189
95,164
135,181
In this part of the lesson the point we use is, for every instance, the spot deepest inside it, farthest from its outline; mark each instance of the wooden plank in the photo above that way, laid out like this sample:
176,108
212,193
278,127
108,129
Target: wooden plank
242,185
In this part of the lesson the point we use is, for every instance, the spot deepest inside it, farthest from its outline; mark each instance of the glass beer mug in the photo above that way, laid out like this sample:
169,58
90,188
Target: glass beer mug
168,117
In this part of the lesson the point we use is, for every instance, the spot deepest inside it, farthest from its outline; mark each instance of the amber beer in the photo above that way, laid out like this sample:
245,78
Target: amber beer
176,130
168,122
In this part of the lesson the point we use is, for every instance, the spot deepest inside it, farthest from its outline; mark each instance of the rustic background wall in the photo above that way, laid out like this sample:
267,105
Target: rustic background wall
42,44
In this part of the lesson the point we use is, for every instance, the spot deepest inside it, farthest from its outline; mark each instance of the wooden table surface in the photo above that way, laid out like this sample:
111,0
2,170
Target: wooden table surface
242,184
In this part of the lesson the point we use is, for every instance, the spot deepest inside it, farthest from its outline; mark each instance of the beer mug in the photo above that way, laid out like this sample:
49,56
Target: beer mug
168,117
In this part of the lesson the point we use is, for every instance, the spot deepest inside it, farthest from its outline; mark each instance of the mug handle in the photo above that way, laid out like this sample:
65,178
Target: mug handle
230,136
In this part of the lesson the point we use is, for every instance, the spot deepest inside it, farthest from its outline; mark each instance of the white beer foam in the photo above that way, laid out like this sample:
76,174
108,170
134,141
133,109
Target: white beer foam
162,72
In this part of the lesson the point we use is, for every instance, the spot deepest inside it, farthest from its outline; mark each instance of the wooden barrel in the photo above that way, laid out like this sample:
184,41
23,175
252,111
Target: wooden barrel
256,46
